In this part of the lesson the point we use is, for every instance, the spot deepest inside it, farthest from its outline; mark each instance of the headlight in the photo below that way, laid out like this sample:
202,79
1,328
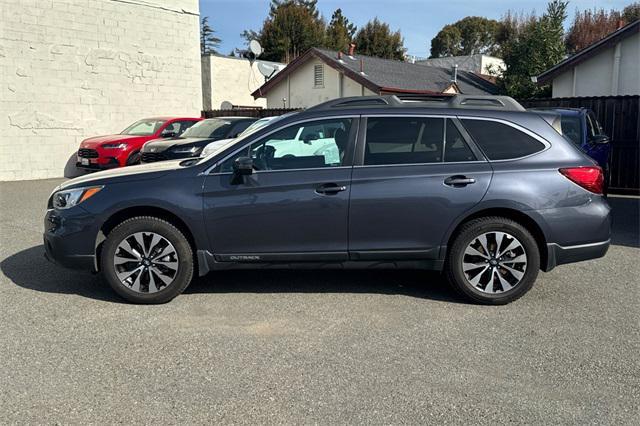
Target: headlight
115,146
194,150
70,197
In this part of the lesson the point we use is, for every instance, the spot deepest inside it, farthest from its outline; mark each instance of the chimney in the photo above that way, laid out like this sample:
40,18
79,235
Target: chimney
339,55
362,67
620,24
454,78
352,49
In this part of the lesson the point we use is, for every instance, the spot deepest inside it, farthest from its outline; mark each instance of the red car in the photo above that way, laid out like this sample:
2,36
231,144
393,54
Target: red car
106,152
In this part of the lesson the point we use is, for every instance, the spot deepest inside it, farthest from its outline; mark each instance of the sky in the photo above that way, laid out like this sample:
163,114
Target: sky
418,20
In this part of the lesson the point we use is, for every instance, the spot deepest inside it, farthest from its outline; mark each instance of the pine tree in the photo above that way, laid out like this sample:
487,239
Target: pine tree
340,32
377,39
208,41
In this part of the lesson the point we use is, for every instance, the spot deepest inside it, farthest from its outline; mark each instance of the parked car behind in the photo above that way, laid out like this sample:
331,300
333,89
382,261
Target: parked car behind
193,141
258,124
475,187
582,128
107,152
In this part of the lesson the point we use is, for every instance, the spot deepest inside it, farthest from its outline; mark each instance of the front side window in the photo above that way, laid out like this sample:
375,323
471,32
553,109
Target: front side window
500,141
211,128
143,128
313,144
404,140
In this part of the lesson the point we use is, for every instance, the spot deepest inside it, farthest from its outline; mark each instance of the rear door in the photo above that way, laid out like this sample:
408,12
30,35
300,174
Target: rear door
414,175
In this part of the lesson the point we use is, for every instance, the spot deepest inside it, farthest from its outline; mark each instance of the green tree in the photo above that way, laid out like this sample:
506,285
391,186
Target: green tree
292,27
340,32
534,46
468,36
631,13
377,39
208,41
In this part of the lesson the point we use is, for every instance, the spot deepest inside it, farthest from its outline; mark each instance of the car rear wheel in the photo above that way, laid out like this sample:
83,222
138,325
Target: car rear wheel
493,260
147,260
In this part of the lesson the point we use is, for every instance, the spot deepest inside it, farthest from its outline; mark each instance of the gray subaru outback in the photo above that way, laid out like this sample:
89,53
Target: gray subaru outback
475,187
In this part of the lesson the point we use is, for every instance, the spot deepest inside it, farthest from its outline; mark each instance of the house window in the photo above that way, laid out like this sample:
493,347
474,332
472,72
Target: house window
318,75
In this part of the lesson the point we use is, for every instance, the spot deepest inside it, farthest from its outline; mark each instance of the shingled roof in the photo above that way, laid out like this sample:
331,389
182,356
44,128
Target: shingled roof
388,76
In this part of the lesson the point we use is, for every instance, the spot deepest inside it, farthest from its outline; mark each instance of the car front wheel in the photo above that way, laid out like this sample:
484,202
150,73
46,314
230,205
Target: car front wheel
147,260
493,260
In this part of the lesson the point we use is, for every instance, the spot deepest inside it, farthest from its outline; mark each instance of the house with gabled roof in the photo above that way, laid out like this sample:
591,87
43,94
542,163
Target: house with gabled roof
320,74
609,67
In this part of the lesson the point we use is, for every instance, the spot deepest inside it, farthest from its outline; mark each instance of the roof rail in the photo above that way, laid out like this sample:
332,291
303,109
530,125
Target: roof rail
458,101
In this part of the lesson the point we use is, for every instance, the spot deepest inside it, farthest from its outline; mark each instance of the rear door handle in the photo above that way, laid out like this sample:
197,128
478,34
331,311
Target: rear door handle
330,189
458,181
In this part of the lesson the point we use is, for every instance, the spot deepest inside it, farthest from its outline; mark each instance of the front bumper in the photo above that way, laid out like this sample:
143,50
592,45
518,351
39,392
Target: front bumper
110,163
67,239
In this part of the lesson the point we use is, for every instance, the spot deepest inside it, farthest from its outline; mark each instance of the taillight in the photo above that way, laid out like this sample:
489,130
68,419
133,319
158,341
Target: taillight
590,178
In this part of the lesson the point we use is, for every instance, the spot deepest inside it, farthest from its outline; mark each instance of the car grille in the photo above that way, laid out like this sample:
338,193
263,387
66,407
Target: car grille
150,157
87,153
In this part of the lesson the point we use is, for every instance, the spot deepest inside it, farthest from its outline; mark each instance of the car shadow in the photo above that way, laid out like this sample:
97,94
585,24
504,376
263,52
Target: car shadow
625,229
70,169
29,269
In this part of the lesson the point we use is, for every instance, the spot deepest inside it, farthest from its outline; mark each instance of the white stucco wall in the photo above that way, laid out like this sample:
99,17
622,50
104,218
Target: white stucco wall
601,76
74,69
299,91
231,79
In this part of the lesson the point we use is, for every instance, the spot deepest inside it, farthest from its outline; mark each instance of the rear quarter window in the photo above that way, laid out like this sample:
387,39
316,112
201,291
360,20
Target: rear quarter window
500,141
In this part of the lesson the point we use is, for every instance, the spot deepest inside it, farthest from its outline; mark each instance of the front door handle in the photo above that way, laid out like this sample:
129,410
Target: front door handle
458,181
330,189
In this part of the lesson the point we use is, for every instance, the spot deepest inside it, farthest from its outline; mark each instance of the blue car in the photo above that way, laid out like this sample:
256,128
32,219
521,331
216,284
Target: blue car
581,127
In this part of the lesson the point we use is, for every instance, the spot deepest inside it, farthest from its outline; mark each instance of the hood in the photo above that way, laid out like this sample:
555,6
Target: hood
96,141
123,174
160,145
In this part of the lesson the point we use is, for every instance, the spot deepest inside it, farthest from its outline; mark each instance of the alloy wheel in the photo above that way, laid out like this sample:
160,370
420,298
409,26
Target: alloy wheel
146,262
494,262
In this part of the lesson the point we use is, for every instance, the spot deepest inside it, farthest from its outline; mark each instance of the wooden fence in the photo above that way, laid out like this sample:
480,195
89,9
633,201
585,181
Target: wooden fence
620,118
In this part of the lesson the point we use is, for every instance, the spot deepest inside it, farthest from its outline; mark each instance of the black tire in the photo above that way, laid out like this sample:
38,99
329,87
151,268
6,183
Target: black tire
134,159
468,233
163,228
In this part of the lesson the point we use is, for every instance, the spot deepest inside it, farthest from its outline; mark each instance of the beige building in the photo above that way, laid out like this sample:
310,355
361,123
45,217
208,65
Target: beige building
74,69
320,75
231,80
610,67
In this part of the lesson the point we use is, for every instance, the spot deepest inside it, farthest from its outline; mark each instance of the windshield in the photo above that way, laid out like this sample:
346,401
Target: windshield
211,128
571,128
143,128
257,125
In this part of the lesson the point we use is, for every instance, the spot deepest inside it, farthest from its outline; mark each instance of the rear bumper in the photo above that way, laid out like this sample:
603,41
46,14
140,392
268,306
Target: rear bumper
560,255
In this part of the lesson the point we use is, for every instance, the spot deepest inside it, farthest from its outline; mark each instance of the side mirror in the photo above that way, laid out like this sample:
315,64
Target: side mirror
242,166
600,140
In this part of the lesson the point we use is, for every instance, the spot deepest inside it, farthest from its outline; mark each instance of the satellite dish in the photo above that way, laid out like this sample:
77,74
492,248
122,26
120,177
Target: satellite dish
255,48
226,105
267,70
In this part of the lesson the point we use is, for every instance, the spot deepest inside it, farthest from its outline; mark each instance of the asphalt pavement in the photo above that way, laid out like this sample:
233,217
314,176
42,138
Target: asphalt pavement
325,347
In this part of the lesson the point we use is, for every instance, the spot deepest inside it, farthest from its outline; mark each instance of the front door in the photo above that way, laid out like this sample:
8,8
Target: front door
416,176
295,204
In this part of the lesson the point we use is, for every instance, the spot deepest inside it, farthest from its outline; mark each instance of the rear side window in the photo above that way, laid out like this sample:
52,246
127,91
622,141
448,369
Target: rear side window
500,141
403,140
456,149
